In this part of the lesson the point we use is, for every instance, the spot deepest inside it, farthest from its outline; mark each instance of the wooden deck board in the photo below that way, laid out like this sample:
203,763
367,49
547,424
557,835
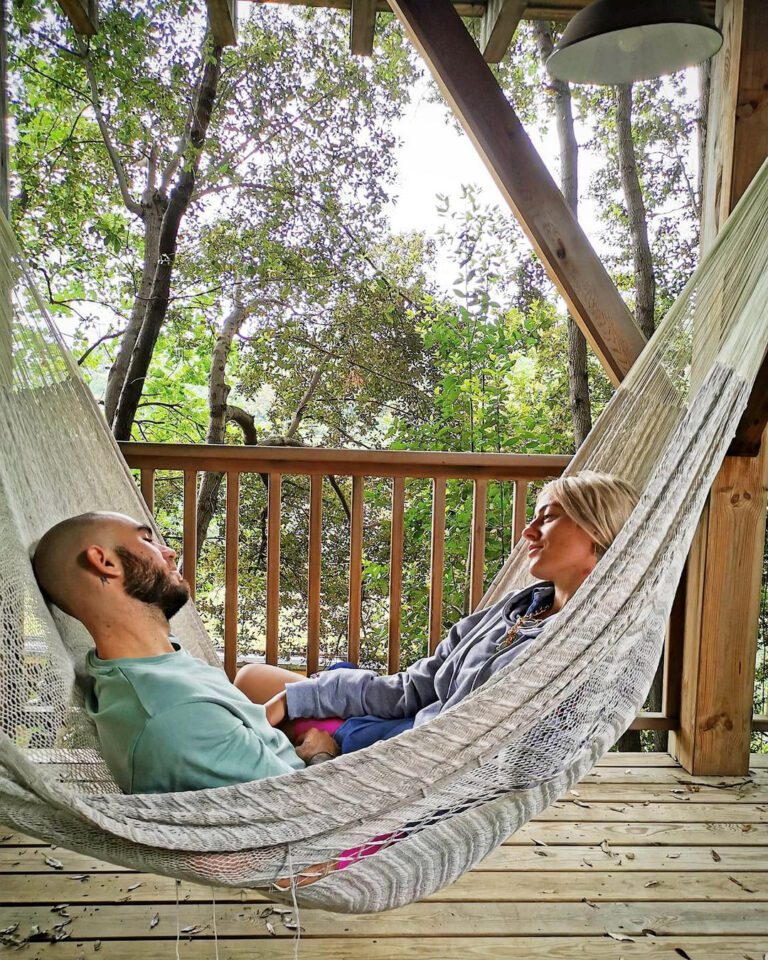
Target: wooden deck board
638,850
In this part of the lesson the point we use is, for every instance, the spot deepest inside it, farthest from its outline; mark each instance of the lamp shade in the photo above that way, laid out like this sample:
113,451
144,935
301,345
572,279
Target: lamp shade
620,41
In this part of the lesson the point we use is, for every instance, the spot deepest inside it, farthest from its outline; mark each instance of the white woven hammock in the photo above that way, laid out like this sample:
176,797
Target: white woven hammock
436,799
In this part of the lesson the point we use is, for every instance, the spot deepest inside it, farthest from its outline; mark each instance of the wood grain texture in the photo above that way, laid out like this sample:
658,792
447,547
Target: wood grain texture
314,573
437,947
519,510
273,567
396,575
498,27
355,572
189,548
231,550
147,485
437,561
477,544
725,574
725,563
362,27
343,462
681,866
222,17
82,14
560,10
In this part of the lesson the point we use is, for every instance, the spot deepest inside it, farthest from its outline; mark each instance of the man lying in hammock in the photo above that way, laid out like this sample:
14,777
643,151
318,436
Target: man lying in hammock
166,720
576,520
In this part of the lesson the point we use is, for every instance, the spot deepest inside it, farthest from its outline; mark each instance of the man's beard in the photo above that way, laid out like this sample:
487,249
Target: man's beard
145,582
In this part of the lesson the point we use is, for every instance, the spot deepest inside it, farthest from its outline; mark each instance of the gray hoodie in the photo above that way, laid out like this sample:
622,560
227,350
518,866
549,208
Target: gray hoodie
460,664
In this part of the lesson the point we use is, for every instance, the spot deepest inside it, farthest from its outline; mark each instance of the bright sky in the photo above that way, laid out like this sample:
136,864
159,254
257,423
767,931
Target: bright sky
436,158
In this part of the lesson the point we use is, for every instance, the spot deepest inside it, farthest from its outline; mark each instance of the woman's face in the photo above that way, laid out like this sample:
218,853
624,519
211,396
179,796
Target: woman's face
558,548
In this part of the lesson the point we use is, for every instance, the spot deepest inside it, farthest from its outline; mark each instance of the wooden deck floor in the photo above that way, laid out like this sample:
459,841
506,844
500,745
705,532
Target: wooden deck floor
639,861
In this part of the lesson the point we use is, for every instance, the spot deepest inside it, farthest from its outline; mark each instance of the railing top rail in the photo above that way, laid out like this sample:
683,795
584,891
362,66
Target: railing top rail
361,463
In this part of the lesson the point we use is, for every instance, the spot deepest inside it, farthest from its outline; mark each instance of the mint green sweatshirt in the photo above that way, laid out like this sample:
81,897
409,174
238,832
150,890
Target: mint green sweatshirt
172,722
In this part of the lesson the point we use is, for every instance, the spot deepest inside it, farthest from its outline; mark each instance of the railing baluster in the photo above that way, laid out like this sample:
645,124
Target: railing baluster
273,566
315,555
230,573
519,515
436,564
477,553
148,488
396,574
355,572
189,541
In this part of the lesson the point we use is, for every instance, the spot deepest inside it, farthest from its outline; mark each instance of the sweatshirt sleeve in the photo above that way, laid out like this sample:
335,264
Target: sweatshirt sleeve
194,746
360,693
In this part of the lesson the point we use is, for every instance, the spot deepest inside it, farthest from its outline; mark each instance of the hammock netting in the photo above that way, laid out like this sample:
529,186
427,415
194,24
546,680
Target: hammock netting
435,800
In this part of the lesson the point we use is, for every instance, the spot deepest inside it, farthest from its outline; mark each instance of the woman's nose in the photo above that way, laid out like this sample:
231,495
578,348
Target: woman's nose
530,532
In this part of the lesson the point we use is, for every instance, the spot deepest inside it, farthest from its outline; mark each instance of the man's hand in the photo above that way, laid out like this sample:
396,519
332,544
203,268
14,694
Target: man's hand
315,742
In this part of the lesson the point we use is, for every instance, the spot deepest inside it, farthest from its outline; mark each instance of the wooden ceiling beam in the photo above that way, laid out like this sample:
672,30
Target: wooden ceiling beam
527,186
498,27
82,14
537,9
362,27
222,19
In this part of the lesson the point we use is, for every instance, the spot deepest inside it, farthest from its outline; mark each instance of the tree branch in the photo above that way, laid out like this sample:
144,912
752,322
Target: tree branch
98,343
114,157
302,407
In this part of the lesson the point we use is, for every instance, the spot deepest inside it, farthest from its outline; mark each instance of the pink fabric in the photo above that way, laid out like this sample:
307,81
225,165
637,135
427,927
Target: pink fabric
330,725
381,842
303,725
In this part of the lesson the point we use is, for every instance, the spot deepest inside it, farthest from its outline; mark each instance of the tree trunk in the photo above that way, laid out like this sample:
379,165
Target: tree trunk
578,379
645,281
218,394
178,203
152,214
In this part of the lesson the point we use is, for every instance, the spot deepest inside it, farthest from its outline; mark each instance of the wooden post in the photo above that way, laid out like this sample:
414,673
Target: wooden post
498,27
362,27
82,14
222,19
725,564
479,103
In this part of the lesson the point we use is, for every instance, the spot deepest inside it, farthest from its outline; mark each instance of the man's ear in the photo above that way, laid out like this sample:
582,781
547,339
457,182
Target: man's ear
100,561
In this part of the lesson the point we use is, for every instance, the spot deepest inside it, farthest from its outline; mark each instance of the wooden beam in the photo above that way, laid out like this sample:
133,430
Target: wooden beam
748,439
560,10
477,100
362,27
222,19
498,27
82,14
724,571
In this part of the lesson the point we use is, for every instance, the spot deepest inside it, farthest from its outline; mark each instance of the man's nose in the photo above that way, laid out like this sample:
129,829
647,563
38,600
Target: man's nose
169,553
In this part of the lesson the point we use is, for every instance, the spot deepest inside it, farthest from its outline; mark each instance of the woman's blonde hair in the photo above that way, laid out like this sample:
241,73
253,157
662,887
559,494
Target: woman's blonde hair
599,502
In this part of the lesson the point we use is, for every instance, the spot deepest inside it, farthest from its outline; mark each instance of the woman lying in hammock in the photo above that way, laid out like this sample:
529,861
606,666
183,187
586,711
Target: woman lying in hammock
576,520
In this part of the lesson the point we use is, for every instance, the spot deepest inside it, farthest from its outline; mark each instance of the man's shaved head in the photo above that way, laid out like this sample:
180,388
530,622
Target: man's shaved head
79,557
59,554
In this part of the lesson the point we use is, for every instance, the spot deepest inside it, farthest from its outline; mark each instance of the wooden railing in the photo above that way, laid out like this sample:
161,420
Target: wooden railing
277,462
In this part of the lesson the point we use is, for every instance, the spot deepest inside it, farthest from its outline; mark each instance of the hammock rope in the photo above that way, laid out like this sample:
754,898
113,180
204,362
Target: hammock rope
435,800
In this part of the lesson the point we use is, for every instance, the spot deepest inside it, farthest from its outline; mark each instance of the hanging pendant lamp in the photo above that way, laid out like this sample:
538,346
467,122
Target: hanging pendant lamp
620,41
